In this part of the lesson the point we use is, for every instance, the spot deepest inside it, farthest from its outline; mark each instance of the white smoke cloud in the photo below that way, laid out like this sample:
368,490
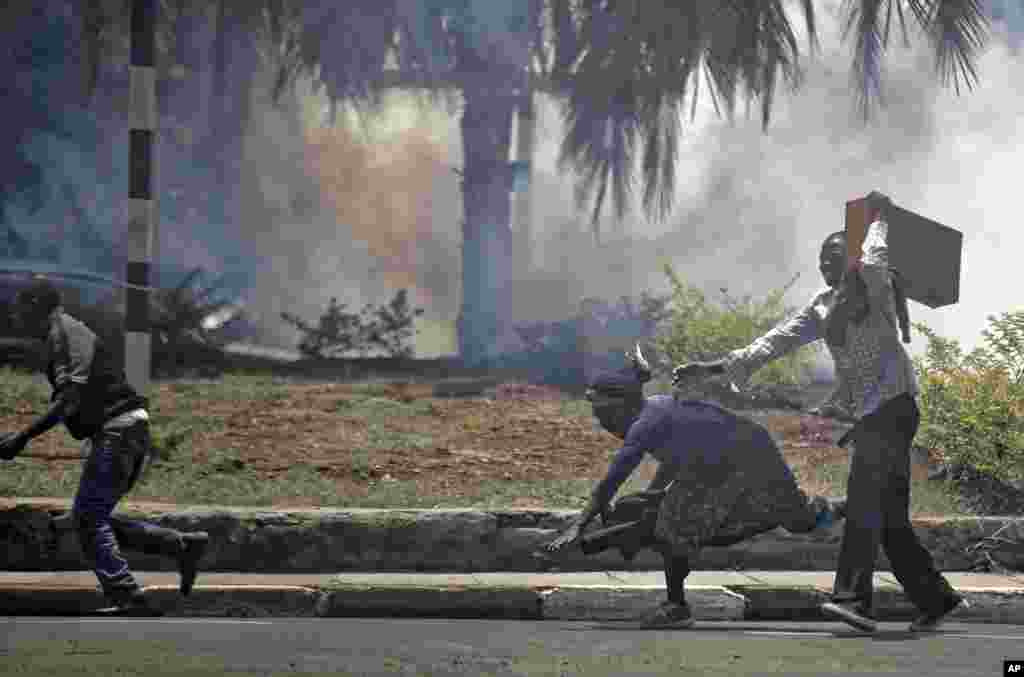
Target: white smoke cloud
752,206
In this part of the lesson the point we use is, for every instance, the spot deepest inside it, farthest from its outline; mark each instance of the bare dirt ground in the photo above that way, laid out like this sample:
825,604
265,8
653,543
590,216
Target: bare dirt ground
446,447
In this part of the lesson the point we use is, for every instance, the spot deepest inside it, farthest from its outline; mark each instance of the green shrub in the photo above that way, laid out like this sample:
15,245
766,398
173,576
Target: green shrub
387,328
180,339
972,405
698,329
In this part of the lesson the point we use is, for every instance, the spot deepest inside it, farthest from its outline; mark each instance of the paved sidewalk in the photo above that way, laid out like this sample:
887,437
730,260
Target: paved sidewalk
610,595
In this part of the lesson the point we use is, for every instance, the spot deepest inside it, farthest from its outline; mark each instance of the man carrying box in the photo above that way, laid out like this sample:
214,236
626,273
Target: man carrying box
858,317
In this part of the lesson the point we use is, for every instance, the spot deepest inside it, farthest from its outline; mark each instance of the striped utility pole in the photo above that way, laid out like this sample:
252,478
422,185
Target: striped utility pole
142,213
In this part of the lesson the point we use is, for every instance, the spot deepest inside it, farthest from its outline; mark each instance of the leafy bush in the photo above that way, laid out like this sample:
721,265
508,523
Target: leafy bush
387,328
181,338
972,404
698,329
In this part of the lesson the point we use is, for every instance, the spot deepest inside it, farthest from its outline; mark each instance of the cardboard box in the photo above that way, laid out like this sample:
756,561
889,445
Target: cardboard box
925,252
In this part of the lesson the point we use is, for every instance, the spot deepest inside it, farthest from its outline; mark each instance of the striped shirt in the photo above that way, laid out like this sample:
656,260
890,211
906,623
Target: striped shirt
872,367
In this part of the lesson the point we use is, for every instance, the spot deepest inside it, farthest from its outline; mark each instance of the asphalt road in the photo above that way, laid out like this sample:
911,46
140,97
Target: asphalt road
209,647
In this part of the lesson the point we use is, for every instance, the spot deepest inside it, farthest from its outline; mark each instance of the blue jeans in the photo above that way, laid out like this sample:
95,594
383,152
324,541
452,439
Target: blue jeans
114,463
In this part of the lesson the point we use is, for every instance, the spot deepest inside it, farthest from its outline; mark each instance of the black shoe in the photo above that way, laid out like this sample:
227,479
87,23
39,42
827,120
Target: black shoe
188,561
134,607
669,615
851,614
931,622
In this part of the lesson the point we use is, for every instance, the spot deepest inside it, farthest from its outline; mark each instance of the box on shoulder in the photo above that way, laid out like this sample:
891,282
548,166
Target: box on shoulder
926,253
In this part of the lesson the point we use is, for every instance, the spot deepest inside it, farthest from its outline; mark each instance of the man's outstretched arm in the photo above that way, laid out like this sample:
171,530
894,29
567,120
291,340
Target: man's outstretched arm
65,404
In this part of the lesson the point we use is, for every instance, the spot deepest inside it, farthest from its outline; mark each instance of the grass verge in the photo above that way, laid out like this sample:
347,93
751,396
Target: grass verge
254,440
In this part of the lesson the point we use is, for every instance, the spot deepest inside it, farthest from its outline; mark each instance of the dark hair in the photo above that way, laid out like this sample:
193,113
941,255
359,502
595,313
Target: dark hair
623,384
41,294
836,238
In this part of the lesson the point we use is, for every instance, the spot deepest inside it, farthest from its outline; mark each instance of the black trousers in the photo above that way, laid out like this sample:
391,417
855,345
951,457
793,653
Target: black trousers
878,513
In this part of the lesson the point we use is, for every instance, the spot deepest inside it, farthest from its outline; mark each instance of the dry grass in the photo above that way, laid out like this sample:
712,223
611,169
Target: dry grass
259,441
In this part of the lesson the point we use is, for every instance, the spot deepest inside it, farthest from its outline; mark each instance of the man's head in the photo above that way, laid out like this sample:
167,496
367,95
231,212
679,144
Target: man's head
615,411
618,397
34,304
833,257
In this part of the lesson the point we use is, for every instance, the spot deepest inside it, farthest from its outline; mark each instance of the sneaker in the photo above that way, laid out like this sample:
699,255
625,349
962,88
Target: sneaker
188,561
824,519
851,614
669,615
828,512
931,622
134,607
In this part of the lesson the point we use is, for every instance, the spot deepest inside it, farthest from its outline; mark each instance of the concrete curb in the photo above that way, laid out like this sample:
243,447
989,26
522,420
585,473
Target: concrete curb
330,540
510,601
617,603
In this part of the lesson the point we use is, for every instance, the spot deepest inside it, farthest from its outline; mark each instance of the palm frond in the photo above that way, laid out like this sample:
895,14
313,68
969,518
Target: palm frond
863,21
810,23
344,45
903,23
888,23
627,69
959,31
617,110
95,23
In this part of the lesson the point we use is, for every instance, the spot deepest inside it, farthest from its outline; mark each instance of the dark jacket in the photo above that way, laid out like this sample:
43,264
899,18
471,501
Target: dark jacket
77,358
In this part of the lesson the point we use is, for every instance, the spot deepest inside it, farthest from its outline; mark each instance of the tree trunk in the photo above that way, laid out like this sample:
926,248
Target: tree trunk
487,247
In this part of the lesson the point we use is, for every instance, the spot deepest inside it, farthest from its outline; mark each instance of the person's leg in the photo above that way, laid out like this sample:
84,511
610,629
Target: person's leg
912,564
774,498
862,533
98,493
684,516
135,535
799,513
677,568
145,537
674,612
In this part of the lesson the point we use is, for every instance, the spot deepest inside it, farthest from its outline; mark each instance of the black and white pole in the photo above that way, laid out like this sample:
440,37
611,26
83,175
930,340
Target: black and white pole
142,213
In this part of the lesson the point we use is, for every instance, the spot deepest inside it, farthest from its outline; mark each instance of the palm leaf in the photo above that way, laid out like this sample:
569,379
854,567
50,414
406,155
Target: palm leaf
863,21
625,70
959,30
94,25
